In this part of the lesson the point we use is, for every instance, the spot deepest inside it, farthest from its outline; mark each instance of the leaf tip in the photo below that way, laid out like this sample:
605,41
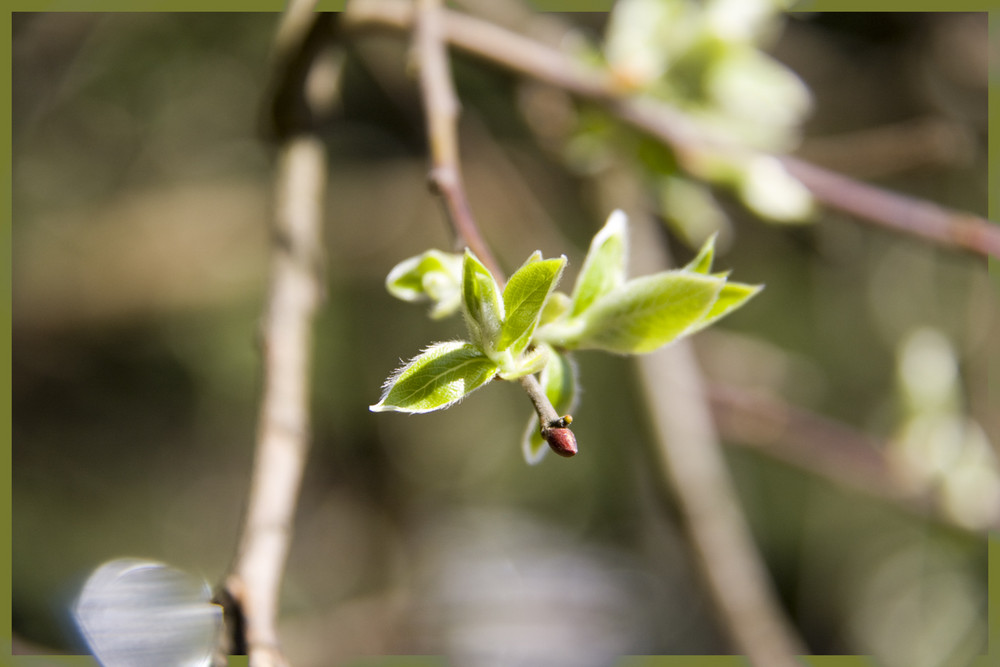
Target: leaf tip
616,226
617,219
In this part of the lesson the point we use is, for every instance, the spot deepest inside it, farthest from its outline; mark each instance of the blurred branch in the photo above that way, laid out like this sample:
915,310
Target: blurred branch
807,440
917,217
691,459
874,205
890,148
826,448
305,86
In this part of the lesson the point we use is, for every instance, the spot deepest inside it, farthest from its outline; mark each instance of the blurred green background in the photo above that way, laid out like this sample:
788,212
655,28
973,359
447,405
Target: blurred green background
141,201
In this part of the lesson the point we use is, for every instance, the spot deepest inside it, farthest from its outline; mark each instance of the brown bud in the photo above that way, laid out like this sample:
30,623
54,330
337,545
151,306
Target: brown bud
561,440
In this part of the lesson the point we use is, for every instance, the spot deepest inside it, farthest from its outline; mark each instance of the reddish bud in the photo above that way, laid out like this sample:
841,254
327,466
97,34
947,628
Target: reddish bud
561,440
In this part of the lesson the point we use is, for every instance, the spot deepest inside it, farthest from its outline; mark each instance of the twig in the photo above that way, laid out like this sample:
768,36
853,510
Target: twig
802,438
691,460
441,107
251,589
898,212
283,428
828,449
553,427
512,51
891,148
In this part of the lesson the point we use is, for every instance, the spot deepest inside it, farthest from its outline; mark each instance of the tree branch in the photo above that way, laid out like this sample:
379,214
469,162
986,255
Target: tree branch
441,108
867,203
303,90
283,426
691,460
821,446
898,212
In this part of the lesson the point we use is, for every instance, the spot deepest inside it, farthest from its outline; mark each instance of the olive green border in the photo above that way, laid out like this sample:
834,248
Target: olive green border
993,656
6,630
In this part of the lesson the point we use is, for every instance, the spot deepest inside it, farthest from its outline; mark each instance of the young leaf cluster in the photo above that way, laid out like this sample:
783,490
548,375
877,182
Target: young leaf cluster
500,324
608,312
705,58
433,276
528,327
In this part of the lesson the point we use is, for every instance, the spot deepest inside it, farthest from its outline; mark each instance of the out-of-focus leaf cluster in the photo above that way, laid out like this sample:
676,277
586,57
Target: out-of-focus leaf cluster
706,60
938,448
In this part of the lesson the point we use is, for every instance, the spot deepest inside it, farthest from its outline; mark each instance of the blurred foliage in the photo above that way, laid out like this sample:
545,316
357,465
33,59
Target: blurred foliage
141,195
706,60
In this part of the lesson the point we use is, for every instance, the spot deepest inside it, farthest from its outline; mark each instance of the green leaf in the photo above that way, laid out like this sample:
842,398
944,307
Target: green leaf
431,276
751,87
703,262
559,380
535,257
731,297
604,268
529,363
483,307
523,300
556,305
648,312
533,446
771,192
644,36
438,377
690,209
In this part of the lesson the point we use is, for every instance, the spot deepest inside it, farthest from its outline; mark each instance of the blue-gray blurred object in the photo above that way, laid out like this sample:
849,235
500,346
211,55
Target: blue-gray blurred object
506,590
136,612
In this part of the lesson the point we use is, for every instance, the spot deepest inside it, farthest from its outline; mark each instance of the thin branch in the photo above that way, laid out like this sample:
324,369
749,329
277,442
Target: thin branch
802,438
691,460
732,568
890,148
826,448
252,587
283,427
546,412
553,427
441,109
898,212
534,60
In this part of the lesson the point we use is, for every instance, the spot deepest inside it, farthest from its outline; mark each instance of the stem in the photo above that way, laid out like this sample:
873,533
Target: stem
553,427
896,211
820,446
252,587
917,217
691,459
543,406
441,108
283,428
